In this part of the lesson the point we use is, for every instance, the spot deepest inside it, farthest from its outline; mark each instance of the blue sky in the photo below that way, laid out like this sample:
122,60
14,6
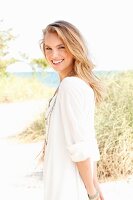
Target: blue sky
105,24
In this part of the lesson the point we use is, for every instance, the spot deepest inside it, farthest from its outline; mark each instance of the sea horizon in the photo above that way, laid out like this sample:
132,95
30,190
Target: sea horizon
51,78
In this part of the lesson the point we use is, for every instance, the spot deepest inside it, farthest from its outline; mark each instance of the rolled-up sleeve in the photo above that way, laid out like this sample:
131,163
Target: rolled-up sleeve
76,106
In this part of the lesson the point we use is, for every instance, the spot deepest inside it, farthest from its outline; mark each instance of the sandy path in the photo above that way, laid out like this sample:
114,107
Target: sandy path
20,176
16,117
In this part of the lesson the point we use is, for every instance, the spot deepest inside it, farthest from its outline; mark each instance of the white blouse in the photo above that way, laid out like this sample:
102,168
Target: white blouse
71,138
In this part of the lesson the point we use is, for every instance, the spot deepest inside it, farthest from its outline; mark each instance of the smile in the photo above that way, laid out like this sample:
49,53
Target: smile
57,62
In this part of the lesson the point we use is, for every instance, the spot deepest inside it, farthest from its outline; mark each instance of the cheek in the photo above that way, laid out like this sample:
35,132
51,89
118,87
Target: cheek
70,58
47,56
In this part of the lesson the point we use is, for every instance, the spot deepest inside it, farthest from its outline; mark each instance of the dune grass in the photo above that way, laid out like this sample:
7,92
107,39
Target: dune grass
15,88
34,133
114,127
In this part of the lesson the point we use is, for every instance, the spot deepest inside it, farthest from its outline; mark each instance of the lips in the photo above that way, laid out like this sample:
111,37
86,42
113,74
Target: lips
55,62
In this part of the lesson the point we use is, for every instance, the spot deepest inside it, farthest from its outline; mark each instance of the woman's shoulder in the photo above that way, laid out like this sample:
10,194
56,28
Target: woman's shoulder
74,83
76,88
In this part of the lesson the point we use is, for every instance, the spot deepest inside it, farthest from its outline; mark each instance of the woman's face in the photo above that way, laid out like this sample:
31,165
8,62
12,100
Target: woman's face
57,55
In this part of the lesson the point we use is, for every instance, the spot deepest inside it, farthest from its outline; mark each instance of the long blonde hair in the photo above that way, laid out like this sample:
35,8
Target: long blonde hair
75,44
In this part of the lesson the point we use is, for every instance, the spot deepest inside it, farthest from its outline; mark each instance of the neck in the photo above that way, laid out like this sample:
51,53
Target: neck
70,73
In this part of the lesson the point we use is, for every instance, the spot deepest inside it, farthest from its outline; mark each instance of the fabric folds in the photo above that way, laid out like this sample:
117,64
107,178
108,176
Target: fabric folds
77,120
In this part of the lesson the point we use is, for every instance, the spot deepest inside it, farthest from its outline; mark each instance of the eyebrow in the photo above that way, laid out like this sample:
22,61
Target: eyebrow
56,46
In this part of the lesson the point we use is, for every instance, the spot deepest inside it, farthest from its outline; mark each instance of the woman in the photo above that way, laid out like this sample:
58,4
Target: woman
70,151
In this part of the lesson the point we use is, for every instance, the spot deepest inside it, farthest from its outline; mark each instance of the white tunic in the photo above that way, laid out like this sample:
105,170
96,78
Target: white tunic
71,138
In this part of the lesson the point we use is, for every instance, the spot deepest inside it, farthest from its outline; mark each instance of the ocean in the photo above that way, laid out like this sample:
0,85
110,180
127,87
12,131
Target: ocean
51,79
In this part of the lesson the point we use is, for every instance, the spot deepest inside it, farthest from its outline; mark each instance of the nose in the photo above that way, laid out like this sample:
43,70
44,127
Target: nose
55,53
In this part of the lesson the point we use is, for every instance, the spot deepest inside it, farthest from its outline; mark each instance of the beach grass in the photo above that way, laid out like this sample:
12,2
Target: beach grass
114,128
15,88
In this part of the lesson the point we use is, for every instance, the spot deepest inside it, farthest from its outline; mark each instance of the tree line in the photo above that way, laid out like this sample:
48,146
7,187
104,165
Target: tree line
6,36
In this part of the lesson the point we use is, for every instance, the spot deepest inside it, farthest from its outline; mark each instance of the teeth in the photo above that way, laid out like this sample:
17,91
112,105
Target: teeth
56,62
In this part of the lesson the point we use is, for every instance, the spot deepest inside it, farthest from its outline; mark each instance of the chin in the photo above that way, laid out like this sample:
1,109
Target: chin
58,69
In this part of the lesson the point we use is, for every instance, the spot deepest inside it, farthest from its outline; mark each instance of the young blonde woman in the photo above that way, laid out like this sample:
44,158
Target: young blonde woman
70,150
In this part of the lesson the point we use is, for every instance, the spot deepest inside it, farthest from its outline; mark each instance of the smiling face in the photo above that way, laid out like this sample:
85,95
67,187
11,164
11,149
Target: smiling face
57,55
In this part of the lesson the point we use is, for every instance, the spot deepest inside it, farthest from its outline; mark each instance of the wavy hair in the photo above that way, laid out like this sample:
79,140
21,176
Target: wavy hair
75,44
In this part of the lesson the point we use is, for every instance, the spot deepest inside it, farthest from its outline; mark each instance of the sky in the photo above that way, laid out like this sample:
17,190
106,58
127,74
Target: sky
105,24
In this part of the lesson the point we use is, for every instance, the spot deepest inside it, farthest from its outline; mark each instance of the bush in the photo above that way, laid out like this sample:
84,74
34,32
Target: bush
114,127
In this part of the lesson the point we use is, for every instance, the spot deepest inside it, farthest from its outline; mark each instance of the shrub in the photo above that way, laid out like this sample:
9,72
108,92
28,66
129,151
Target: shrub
114,127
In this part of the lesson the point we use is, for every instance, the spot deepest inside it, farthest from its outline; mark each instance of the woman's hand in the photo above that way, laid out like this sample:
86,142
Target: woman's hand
96,182
98,196
101,196
100,193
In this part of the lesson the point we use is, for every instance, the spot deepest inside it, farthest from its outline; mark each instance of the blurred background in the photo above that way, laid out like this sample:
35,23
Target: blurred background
27,83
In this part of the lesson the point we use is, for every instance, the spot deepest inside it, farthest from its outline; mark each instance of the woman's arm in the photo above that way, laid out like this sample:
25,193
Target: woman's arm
86,173
89,177
96,182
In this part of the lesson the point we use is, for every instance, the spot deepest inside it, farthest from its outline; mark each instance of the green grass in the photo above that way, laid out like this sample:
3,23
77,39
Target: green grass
13,88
